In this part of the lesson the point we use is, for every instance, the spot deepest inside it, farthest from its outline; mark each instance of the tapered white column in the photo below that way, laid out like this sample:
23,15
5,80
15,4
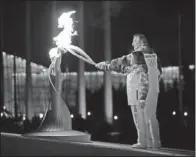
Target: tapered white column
81,67
108,100
28,84
180,67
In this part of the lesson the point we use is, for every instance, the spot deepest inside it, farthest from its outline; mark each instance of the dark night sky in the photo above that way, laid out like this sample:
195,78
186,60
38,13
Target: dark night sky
158,20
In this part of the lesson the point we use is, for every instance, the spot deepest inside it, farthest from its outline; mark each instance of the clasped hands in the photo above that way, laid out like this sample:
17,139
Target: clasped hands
102,65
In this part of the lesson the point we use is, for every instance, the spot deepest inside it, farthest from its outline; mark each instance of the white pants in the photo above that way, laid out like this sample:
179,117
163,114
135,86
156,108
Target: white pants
140,124
146,122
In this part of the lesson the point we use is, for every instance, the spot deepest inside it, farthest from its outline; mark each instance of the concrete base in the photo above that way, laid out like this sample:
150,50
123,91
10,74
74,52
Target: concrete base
17,145
72,135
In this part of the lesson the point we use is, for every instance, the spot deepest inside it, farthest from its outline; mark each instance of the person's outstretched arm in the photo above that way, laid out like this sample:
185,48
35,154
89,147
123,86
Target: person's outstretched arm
121,64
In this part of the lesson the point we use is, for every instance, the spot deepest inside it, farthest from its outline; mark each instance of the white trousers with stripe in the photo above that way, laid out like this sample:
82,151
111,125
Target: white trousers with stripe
146,122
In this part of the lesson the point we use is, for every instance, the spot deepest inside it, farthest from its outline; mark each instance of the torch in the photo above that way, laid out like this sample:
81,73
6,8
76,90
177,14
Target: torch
63,44
57,121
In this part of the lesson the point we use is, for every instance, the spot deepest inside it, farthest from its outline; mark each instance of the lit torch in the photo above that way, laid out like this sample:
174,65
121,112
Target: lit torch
63,39
63,43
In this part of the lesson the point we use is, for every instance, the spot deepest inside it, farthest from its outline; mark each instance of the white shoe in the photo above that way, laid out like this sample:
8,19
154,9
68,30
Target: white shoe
138,145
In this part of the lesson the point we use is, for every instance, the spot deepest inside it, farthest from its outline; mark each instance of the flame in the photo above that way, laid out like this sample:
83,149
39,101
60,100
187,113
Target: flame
63,44
53,52
63,39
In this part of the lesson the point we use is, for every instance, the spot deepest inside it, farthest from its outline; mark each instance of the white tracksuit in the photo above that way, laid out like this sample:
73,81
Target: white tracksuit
137,87
142,84
153,137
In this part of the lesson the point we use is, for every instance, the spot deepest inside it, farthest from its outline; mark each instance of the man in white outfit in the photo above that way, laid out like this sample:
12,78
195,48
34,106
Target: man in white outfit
142,70
140,43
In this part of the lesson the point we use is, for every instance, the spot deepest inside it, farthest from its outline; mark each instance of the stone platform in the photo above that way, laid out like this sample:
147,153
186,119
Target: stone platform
18,145
71,136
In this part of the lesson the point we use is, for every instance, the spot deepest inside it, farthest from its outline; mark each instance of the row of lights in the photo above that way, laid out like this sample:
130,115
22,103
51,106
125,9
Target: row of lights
185,113
41,115
89,114
116,117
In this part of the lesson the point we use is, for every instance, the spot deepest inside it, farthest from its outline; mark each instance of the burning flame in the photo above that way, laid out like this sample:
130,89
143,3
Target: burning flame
53,52
63,39
63,43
